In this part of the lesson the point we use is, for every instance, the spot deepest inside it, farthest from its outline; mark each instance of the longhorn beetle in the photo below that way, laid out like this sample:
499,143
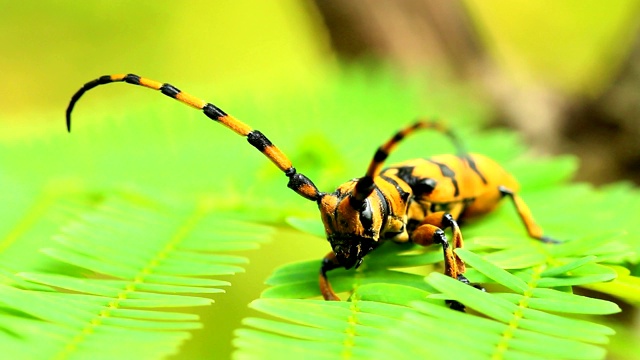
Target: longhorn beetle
415,200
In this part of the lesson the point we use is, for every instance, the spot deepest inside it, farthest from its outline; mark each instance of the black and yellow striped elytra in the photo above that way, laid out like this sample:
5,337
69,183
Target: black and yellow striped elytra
415,200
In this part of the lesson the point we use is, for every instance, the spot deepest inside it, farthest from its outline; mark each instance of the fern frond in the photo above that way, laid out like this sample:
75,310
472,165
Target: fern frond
390,320
528,314
146,257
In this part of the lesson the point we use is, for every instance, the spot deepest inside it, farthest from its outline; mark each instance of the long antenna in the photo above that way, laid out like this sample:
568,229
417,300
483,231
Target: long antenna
365,186
299,183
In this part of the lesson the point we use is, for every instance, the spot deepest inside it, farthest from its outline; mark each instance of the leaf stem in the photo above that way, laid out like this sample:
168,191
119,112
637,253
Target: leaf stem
507,335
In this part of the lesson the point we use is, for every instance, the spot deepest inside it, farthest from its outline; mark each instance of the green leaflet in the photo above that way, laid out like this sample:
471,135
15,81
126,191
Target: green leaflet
492,271
568,266
625,286
558,301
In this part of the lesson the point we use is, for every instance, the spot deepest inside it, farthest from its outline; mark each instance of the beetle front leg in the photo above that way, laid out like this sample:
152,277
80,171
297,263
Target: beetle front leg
329,262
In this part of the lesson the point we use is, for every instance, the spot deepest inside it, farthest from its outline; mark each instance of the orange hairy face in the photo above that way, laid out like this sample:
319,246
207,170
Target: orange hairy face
353,230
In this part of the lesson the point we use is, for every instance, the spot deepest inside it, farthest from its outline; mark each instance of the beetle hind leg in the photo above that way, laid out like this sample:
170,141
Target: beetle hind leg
533,229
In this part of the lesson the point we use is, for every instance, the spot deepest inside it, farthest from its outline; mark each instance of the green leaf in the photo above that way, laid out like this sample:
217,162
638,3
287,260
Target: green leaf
624,286
571,265
391,293
558,301
494,272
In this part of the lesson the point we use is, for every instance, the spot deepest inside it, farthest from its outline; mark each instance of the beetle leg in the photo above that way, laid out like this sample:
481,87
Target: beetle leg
534,230
428,234
443,221
329,262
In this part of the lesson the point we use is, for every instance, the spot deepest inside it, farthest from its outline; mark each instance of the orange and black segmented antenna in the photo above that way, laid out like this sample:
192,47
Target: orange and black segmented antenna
297,182
365,185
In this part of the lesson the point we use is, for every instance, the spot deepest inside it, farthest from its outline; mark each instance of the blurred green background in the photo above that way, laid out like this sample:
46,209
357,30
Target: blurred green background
565,74
50,48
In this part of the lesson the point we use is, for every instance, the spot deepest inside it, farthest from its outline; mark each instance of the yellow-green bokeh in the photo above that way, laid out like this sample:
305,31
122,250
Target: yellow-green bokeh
576,46
50,48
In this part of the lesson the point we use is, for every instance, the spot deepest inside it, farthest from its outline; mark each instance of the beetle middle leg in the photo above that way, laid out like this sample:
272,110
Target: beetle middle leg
431,231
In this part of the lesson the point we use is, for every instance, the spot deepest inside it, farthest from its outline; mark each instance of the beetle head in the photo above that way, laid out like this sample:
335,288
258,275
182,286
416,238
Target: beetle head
352,228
